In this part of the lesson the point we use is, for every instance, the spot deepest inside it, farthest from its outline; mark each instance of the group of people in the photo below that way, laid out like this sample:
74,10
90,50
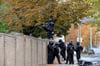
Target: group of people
55,49
59,48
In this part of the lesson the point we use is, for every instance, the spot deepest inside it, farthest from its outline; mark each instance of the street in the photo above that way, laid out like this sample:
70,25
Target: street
58,65
63,63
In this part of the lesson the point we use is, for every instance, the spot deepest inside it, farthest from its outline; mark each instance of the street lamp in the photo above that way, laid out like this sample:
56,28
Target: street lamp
79,34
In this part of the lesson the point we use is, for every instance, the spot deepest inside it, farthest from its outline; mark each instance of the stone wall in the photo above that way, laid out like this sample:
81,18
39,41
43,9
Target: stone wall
17,50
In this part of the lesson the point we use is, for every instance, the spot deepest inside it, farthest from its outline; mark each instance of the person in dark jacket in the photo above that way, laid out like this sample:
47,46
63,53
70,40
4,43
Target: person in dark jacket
50,52
50,32
56,52
63,49
70,53
78,50
67,59
49,27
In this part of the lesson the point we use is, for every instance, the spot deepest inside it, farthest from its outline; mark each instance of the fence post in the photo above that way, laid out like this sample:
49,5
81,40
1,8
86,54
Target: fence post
9,51
20,57
27,51
44,52
34,52
40,52
2,50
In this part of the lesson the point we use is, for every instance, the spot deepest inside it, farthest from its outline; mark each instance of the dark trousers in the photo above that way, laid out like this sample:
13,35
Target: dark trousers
50,35
67,60
50,58
78,56
71,60
63,54
58,58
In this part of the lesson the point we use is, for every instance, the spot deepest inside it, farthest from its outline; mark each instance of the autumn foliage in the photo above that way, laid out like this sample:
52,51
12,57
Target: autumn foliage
85,34
27,16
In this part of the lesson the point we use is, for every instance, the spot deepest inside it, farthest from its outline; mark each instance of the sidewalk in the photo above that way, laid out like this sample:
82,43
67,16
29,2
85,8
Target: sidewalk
57,65
63,62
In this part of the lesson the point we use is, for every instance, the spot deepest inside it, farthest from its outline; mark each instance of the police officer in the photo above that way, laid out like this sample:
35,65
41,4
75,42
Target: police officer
70,53
50,32
56,52
50,52
63,48
67,59
49,27
78,50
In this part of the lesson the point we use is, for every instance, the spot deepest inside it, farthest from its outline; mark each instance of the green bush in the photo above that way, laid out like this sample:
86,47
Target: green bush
3,27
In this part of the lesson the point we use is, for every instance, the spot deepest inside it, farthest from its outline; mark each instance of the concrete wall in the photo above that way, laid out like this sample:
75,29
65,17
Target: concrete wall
22,51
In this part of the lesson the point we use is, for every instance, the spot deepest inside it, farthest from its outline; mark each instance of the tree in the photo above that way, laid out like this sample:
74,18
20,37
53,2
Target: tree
3,27
95,12
85,34
27,15
73,34
3,9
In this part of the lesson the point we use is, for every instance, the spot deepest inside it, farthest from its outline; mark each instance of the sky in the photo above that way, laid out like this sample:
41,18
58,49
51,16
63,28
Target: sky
87,19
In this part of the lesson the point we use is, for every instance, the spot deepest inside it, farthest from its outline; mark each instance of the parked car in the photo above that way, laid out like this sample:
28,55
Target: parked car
89,61
94,51
90,52
92,60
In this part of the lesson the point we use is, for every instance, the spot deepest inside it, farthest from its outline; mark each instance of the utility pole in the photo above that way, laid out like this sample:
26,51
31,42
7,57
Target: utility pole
79,33
95,40
91,37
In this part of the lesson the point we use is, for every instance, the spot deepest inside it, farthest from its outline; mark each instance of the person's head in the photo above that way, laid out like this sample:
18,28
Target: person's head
50,19
78,43
56,44
51,22
60,40
70,42
51,42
